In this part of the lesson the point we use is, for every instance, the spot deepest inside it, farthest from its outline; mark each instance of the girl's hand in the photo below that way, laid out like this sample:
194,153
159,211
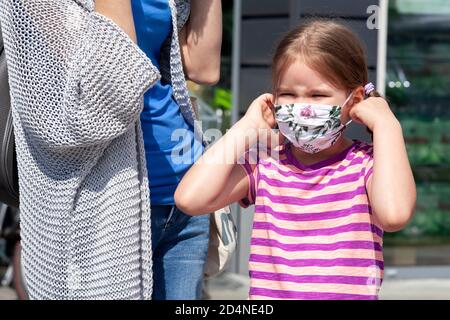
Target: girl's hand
261,113
372,112
260,116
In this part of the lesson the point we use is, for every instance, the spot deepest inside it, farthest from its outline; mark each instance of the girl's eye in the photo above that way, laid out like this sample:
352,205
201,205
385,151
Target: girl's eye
288,94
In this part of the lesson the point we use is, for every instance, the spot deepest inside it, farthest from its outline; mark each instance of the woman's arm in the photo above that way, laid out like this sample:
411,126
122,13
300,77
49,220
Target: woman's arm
201,40
120,12
97,97
216,179
391,187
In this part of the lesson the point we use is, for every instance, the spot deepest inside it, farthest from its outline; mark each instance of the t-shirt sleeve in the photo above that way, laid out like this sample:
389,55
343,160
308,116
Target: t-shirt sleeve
369,165
249,163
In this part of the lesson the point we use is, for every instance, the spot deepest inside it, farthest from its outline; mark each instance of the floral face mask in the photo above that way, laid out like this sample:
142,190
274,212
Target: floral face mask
310,127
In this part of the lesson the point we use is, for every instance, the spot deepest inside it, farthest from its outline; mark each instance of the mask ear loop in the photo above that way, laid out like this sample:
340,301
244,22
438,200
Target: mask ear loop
342,107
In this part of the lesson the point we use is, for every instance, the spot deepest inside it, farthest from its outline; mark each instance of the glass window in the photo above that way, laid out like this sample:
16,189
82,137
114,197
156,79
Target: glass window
418,88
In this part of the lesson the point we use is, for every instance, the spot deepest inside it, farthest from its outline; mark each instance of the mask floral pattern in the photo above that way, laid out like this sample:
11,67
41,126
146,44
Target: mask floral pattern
310,127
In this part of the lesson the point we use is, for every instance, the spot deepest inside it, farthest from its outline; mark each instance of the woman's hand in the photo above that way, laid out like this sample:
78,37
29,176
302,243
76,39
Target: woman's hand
372,112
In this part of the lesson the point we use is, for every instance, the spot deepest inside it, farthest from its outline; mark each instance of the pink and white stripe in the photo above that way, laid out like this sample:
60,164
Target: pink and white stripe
314,235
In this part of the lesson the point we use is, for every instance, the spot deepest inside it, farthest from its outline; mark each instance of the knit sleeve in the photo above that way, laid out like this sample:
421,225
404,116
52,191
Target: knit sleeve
183,12
76,77
108,79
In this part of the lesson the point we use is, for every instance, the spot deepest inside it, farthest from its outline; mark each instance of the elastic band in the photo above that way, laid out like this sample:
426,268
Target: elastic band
368,88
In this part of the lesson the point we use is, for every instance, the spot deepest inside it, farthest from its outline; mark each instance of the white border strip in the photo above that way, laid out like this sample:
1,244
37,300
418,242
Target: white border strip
382,46
236,60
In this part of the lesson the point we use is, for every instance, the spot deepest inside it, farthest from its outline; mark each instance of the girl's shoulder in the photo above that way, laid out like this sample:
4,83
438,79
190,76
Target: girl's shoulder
362,155
362,149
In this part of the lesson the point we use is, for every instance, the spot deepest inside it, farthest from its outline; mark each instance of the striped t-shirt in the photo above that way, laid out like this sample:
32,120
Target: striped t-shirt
314,236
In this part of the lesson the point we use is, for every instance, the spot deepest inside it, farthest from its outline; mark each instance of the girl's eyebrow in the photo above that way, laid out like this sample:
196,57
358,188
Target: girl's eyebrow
306,91
283,89
318,89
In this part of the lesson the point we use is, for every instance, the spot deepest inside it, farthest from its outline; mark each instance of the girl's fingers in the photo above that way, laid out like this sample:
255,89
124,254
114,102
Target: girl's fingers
268,109
268,99
353,116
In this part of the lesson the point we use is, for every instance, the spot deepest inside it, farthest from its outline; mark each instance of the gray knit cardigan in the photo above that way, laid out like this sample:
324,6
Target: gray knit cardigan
77,83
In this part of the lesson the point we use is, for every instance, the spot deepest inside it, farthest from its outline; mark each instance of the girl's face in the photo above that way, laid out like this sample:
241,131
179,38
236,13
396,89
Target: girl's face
301,84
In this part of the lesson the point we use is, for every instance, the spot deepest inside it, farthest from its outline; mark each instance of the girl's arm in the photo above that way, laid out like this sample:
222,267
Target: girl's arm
391,187
201,40
216,179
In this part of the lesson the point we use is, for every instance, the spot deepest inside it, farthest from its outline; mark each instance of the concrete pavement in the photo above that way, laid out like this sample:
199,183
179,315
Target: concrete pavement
230,286
395,286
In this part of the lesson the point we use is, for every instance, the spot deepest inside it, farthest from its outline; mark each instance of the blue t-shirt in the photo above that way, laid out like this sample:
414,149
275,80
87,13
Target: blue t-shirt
166,132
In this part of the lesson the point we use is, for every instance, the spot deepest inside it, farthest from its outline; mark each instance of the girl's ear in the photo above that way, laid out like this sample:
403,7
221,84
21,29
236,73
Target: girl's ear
357,97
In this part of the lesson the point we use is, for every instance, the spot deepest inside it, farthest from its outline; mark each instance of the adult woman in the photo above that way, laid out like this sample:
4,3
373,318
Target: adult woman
179,242
77,80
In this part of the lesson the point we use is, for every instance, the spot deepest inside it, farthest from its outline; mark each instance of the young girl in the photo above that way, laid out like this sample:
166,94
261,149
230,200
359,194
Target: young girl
322,201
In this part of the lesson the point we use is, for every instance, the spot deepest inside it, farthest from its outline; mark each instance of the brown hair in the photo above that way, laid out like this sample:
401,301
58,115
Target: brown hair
328,47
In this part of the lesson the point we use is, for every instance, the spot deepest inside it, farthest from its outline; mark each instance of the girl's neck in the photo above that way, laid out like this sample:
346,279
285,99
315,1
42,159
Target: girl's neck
311,158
